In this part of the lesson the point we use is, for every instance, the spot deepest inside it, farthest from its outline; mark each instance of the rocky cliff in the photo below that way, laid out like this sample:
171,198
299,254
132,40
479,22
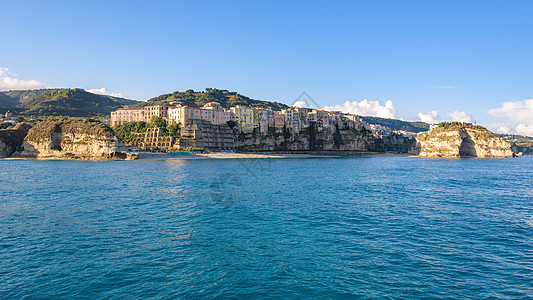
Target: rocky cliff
11,139
72,139
460,140
344,137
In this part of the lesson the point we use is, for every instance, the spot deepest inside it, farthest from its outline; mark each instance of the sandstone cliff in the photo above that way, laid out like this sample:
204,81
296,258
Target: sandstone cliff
11,139
345,137
460,140
72,139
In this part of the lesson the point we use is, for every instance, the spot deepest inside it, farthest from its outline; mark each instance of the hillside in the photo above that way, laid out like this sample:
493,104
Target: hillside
398,124
64,102
519,143
225,98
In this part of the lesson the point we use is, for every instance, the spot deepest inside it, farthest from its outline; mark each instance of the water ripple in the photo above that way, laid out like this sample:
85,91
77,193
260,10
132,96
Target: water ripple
382,227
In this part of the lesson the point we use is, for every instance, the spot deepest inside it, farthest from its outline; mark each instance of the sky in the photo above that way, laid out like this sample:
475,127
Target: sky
412,60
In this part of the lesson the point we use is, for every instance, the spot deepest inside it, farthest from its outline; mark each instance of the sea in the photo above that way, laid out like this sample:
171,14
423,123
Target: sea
295,228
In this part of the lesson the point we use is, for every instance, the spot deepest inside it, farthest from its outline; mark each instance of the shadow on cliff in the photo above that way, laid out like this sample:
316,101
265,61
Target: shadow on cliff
467,147
11,140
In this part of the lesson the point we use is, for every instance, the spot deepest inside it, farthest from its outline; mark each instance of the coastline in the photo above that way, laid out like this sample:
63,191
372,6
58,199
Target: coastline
273,155
226,155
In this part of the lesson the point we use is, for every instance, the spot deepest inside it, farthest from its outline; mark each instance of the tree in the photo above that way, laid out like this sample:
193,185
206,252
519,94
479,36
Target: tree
173,129
158,122
231,124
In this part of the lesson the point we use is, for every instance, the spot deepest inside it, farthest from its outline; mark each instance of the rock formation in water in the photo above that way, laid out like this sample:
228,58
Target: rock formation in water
11,139
72,139
460,140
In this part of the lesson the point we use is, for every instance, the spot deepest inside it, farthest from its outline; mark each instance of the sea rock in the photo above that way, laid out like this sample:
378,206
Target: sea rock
72,139
460,140
11,139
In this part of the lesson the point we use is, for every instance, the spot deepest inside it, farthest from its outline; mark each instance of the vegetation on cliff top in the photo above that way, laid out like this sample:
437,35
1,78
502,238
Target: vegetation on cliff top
46,129
61,102
226,98
477,130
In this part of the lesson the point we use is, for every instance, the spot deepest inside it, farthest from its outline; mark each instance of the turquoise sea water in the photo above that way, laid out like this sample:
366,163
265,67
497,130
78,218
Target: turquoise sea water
395,227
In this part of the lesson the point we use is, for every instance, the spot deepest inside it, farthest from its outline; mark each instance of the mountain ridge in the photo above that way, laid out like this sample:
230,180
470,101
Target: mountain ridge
73,102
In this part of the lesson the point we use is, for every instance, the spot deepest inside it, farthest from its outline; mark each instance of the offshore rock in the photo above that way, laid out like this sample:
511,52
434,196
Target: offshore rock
72,139
460,140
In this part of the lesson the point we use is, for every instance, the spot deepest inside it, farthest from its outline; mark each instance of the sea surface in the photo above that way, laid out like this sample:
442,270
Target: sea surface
379,227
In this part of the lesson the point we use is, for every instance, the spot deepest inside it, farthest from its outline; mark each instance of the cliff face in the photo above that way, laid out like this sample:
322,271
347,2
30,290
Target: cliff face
460,140
341,138
72,139
11,139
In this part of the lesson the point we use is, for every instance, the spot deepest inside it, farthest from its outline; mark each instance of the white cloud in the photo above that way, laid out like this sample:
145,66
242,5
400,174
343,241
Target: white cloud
503,129
9,82
524,129
103,91
519,111
366,108
429,117
301,104
460,116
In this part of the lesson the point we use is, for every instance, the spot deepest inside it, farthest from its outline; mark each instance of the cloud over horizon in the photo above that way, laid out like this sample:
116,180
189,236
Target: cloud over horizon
103,91
366,108
8,81
301,104
460,116
520,112
429,117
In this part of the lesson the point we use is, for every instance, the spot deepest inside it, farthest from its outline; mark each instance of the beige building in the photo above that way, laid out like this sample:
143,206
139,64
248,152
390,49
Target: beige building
279,120
245,117
127,114
212,112
137,114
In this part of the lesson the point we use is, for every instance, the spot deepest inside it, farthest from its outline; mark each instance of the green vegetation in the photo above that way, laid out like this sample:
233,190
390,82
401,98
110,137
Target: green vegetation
394,124
61,102
124,131
231,124
45,130
226,98
6,125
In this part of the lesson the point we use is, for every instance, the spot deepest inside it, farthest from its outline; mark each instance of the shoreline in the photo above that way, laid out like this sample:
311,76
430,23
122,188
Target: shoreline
267,155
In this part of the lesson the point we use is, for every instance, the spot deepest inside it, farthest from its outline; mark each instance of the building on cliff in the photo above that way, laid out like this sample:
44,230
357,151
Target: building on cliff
181,113
207,127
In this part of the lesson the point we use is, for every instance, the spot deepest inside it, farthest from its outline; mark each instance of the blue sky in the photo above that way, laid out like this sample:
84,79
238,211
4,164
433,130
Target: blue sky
468,57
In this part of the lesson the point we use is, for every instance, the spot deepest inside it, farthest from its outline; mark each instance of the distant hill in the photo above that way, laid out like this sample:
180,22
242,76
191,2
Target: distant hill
226,98
519,143
394,124
520,140
60,102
